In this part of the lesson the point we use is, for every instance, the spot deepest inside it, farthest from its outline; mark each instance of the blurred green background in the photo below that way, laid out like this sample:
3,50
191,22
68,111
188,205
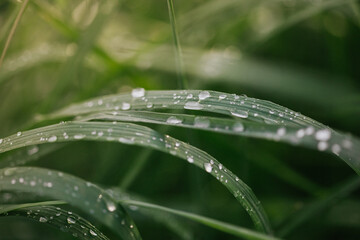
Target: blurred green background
301,54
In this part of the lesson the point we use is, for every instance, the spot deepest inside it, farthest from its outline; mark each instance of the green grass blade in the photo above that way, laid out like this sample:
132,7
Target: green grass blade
222,226
12,31
178,55
277,122
143,136
46,213
79,193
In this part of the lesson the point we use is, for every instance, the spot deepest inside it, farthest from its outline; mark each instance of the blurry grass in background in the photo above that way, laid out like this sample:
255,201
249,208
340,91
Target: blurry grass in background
304,55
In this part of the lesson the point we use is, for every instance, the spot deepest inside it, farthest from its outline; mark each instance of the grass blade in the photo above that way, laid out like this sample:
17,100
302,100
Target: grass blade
12,31
225,227
81,194
143,136
56,217
178,56
276,122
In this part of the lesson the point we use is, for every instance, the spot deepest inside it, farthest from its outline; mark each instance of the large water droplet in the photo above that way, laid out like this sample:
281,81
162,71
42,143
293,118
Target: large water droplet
281,131
201,122
323,135
322,146
110,205
52,139
18,134
240,113
193,105
126,140
33,150
125,106
174,120
190,159
138,92
208,167
203,95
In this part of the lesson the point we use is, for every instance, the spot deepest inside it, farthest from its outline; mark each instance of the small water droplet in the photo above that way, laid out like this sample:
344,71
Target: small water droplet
1,140
191,105
300,133
33,150
203,95
18,134
208,167
52,139
190,159
126,140
323,135
125,106
174,120
43,220
70,220
110,205
322,146
138,92
281,131
79,136
336,149
221,97
92,233
240,113
238,127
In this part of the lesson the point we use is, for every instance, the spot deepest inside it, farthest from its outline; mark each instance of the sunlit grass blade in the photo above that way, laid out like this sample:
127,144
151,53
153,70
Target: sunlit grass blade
79,193
56,217
222,226
278,123
12,31
143,136
309,211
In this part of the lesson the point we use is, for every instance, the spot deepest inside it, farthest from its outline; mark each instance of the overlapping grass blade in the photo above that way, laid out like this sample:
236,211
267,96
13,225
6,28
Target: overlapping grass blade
173,223
143,136
222,226
79,193
264,119
46,213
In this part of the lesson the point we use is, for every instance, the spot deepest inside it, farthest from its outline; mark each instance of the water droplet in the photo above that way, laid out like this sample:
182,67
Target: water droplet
281,131
32,183
300,133
52,139
222,97
309,130
323,135
203,95
208,167
240,113
125,106
92,233
238,127
110,205
33,150
138,92
193,105
322,146
18,134
149,105
70,220
126,140
79,136
43,220
1,140
174,120
201,122
220,166
190,159
336,149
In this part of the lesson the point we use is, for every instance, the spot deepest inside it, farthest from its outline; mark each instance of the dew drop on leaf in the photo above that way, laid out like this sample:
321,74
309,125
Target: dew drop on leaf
138,92
208,167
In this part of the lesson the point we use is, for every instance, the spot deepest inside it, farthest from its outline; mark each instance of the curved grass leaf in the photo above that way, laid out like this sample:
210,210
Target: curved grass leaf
222,226
79,193
273,121
143,136
56,217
